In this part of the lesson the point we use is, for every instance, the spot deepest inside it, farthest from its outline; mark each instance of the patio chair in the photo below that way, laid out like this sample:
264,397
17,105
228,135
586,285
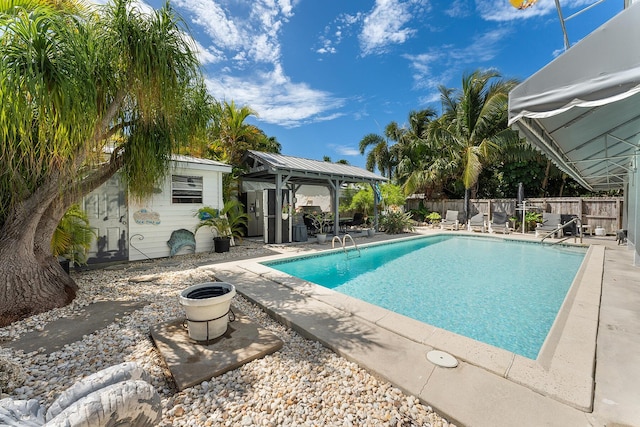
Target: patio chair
358,219
450,221
477,222
550,222
499,222
311,226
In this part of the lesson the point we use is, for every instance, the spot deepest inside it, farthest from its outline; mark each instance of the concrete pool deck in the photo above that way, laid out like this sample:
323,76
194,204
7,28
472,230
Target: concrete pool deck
490,386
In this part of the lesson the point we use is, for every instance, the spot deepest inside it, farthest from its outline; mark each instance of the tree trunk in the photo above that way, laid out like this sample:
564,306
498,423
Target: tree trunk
467,194
545,180
564,181
30,285
33,280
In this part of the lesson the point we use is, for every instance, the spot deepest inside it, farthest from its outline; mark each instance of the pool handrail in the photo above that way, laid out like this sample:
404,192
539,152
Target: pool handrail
562,226
344,243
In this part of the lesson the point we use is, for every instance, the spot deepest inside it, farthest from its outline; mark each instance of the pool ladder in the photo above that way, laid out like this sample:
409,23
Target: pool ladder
343,242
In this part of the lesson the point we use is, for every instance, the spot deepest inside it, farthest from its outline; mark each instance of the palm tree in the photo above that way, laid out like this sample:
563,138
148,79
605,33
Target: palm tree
472,130
73,86
379,156
411,150
231,136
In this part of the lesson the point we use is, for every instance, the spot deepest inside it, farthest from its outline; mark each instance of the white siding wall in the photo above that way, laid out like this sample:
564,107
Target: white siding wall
151,239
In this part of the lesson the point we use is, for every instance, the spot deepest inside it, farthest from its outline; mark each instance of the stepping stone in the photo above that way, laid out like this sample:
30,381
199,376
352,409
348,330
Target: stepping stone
67,330
191,362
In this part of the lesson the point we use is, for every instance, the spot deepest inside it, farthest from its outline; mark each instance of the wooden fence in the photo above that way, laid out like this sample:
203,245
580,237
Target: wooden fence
605,212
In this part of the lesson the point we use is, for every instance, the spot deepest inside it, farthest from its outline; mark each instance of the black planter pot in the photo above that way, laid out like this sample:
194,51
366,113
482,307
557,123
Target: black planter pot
222,244
64,263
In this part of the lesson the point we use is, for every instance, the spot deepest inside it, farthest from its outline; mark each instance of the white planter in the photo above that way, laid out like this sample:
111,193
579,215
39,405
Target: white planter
207,308
322,238
371,232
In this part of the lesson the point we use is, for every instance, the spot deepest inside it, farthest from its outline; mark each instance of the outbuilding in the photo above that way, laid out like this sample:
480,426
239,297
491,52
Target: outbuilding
131,230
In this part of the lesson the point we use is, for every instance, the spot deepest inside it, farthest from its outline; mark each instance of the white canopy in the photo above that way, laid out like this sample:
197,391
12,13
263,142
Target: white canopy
583,109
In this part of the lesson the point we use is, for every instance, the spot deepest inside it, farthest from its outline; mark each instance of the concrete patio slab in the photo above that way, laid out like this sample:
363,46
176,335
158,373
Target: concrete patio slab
191,362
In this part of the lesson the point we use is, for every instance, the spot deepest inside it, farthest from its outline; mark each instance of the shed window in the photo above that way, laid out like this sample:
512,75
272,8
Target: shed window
186,189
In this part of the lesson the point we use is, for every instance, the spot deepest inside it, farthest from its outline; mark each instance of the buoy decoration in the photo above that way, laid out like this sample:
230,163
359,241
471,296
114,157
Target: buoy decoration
522,4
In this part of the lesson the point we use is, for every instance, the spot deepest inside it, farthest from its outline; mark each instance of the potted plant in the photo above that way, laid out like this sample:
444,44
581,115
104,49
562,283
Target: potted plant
320,221
222,241
532,219
228,224
433,218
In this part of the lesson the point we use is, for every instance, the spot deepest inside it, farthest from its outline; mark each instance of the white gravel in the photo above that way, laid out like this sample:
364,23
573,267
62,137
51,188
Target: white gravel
303,384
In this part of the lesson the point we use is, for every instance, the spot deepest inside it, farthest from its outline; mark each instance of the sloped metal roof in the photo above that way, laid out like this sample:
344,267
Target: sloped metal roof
265,166
199,161
583,109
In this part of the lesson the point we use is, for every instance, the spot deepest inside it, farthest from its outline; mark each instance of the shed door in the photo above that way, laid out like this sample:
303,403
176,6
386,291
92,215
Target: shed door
106,208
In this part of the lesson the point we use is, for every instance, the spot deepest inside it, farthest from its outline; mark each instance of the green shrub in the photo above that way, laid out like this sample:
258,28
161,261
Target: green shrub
396,222
433,217
73,236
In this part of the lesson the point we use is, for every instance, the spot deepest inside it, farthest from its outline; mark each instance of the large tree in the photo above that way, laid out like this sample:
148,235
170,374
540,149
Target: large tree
76,84
472,129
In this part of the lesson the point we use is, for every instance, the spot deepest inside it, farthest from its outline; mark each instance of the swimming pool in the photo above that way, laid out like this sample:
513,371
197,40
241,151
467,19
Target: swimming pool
501,292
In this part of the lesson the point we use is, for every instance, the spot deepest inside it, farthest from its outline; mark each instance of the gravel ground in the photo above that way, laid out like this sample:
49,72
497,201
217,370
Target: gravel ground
303,384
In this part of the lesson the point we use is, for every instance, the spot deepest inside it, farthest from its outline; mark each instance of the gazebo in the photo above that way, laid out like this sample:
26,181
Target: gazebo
288,172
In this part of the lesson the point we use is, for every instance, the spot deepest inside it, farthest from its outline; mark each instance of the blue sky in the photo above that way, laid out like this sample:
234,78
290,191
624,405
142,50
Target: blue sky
321,74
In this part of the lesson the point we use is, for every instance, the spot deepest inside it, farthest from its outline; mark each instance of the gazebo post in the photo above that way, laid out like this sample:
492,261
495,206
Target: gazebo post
278,228
333,190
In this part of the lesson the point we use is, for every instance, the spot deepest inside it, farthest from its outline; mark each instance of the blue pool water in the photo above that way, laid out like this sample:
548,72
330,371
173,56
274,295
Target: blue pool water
501,292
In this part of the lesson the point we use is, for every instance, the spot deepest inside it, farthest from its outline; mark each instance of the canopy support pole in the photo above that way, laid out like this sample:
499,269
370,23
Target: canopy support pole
564,28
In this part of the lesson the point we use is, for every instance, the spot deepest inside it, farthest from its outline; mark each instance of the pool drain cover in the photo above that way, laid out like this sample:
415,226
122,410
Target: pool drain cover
442,359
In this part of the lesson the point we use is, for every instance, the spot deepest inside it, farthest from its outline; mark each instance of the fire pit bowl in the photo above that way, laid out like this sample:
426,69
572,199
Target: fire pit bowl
207,306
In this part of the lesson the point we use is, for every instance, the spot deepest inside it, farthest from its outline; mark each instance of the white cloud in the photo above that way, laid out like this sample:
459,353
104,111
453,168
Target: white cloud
484,48
208,14
276,98
346,150
246,32
450,62
247,36
206,56
459,9
336,31
385,25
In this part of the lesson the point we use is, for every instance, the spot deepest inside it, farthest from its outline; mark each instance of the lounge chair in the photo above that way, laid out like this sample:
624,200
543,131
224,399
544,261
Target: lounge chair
499,222
550,222
477,222
450,221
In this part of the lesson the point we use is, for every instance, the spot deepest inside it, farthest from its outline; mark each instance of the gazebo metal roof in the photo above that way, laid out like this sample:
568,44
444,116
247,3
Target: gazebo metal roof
266,166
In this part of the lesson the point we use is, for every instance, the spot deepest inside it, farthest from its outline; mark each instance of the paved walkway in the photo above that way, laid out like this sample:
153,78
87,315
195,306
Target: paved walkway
617,392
